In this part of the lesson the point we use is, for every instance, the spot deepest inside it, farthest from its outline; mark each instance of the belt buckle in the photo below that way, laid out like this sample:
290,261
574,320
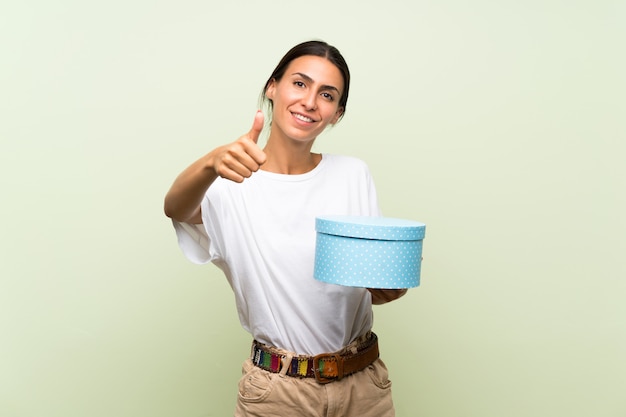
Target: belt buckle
327,358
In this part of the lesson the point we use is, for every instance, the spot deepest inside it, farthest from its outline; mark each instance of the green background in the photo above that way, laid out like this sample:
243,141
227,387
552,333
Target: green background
499,124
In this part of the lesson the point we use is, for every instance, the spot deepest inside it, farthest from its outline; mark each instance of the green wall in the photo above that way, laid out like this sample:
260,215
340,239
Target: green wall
498,124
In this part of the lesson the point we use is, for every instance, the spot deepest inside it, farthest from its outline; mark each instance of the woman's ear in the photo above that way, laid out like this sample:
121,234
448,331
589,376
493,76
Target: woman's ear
337,116
270,90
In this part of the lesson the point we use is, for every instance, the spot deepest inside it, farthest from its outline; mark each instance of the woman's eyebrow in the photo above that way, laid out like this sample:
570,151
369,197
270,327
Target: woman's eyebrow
310,80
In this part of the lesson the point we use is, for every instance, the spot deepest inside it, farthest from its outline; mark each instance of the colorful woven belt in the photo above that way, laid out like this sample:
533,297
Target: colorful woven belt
326,367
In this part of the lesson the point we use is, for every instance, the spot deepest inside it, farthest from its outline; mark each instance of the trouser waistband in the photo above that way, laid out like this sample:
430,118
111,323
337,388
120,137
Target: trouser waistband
325,367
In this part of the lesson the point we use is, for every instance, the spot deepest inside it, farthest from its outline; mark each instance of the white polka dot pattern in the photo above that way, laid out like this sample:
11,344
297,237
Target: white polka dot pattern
372,252
383,228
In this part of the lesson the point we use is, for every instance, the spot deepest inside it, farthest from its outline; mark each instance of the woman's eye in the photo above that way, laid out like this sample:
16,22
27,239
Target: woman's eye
298,83
328,96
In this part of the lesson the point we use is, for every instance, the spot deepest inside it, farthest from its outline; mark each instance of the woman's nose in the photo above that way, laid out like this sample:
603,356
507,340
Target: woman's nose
310,101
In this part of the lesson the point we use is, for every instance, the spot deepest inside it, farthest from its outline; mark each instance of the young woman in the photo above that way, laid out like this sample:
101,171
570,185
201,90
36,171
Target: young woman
251,212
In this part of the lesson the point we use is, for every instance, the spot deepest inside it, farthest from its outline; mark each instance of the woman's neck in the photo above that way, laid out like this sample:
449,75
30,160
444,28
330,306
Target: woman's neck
289,157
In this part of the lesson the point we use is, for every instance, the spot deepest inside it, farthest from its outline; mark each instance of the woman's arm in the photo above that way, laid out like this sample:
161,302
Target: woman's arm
182,201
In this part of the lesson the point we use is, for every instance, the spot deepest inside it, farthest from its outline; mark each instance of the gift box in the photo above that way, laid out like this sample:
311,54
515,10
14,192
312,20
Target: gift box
371,252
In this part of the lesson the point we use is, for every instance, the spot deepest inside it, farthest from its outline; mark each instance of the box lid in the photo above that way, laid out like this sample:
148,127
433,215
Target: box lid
368,227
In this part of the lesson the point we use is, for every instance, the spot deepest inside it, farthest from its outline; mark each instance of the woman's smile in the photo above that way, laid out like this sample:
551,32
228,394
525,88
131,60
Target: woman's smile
302,117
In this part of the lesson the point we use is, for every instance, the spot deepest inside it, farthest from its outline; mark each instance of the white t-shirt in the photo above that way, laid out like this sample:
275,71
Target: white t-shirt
261,233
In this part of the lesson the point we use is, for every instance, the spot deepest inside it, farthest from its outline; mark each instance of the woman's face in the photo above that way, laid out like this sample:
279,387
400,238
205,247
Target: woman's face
306,99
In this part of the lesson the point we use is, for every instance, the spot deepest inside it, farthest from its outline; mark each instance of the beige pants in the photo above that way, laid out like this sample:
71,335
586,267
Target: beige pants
364,394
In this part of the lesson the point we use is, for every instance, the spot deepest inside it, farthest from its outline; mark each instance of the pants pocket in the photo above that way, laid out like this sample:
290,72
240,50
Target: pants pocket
255,384
379,375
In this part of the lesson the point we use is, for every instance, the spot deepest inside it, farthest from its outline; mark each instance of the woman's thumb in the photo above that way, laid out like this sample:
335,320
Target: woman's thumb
257,126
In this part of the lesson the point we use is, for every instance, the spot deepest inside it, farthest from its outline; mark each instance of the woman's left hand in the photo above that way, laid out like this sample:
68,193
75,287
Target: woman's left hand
385,296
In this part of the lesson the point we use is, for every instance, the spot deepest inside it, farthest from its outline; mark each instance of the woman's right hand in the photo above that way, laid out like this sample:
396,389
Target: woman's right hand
236,162
240,159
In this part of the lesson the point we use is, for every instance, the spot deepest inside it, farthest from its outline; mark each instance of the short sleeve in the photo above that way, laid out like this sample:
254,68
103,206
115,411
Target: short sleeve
193,241
372,195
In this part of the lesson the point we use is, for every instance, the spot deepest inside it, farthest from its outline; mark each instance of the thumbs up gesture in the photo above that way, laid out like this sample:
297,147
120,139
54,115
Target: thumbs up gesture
240,159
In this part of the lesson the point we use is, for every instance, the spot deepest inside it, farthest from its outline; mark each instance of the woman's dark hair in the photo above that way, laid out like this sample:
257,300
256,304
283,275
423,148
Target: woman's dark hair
315,48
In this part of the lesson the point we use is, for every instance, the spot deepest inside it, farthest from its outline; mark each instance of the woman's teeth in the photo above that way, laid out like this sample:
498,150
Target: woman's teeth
303,118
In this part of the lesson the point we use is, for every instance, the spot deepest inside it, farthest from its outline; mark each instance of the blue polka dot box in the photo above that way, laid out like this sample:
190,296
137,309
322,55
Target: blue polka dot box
371,252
